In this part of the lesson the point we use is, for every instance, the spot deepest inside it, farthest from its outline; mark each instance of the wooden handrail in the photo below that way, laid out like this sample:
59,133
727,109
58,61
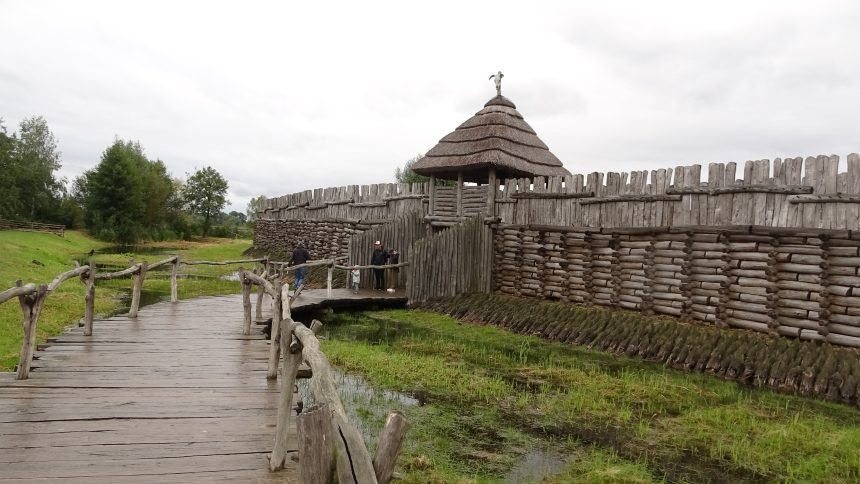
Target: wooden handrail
78,271
32,297
160,263
354,463
386,266
259,281
25,290
222,263
104,276
313,263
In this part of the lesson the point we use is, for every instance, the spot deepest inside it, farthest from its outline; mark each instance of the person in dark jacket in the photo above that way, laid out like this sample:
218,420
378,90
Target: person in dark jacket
378,258
300,256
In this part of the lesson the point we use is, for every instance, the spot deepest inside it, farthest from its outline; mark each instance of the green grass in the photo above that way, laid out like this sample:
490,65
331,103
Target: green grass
623,420
54,255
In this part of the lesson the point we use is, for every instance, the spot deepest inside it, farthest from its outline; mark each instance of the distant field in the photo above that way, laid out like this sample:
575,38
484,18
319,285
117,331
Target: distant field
38,258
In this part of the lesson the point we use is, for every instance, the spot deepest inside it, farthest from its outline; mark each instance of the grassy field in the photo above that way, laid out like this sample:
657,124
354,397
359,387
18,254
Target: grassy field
491,395
38,258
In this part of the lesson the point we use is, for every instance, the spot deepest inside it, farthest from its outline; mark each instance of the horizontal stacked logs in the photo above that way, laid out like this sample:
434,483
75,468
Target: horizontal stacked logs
799,286
708,277
749,291
324,239
795,284
787,365
633,255
843,287
577,255
670,253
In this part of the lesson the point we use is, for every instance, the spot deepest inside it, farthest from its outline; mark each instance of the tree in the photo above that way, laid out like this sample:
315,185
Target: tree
114,197
37,158
205,194
255,205
406,175
128,197
9,201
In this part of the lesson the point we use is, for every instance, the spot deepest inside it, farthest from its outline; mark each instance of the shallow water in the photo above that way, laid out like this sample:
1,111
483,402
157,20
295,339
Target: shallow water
366,407
537,464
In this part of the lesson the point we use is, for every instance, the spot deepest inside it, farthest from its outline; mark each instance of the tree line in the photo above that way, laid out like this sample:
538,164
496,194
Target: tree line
127,197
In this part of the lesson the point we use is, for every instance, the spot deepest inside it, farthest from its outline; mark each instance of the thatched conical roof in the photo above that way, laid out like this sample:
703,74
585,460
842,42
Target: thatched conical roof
495,136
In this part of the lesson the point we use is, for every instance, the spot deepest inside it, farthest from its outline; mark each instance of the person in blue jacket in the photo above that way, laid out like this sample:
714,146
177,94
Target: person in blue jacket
300,256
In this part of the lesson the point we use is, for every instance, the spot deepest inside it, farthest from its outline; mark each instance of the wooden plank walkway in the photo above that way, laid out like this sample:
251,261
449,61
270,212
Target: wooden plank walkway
317,298
177,395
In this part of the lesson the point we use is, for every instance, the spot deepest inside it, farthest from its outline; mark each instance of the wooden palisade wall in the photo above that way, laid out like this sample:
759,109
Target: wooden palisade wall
398,235
454,261
780,194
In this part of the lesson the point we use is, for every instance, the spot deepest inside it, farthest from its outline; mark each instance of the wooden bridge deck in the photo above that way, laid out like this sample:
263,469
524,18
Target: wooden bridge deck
176,395
317,298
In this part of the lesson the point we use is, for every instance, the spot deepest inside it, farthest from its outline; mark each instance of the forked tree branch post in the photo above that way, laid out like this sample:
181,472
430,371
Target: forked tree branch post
31,307
89,280
278,307
136,288
246,301
174,285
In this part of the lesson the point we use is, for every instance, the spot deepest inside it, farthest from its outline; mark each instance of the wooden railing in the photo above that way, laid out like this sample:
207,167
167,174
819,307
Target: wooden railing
32,297
32,227
327,440
325,434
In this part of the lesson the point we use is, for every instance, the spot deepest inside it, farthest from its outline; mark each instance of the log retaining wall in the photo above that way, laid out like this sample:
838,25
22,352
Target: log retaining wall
324,239
798,283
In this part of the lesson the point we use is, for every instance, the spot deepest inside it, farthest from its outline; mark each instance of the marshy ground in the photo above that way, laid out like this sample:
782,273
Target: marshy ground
488,405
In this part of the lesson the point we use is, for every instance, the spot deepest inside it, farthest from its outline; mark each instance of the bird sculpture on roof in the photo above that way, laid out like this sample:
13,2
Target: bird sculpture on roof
497,78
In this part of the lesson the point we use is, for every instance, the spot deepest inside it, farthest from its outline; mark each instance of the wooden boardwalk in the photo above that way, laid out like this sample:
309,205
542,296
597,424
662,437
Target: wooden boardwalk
341,298
177,395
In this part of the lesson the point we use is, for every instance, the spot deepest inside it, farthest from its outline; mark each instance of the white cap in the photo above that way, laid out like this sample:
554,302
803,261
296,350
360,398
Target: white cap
378,243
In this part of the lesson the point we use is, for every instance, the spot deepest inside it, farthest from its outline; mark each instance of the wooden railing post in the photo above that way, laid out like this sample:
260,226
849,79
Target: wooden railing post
89,299
390,441
316,455
246,301
31,307
292,360
258,310
277,317
174,285
137,286
328,280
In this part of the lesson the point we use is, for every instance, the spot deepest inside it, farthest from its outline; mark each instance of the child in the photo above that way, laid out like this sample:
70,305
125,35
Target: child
356,279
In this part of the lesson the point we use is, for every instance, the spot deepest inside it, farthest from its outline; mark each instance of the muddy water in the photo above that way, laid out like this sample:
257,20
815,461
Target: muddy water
366,406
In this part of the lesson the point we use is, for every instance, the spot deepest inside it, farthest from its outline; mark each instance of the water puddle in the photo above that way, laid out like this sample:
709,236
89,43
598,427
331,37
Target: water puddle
537,464
234,277
366,407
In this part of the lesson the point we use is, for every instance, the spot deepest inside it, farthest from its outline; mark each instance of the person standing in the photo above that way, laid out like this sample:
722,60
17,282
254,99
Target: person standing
378,258
300,256
356,279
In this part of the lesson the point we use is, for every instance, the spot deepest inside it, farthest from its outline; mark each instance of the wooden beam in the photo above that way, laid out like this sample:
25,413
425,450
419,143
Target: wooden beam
784,189
89,298
459,193
549,196
829,198
432,194
492,188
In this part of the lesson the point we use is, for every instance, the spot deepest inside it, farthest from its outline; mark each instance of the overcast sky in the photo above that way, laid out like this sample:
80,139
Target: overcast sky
285,96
